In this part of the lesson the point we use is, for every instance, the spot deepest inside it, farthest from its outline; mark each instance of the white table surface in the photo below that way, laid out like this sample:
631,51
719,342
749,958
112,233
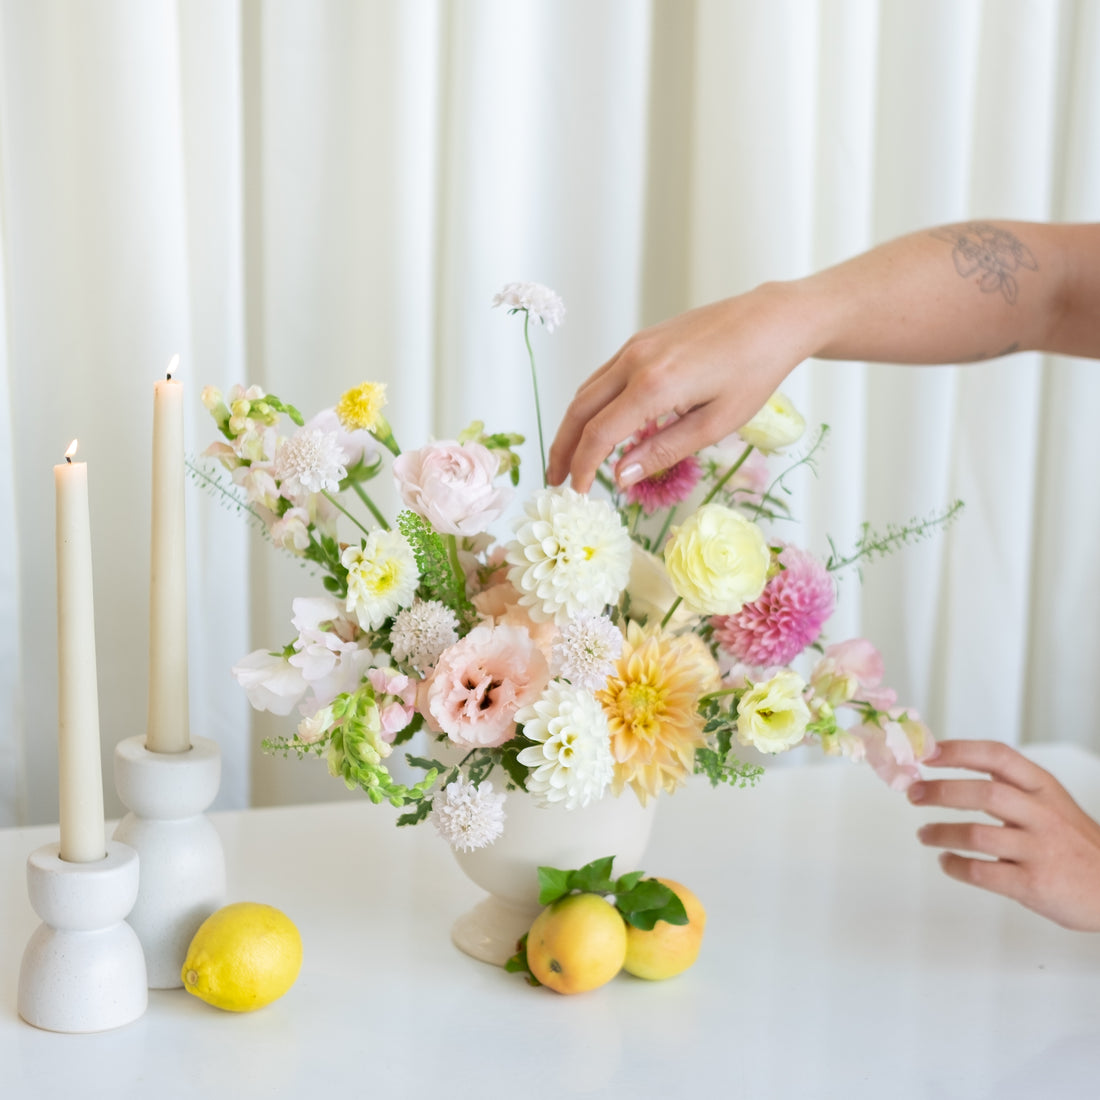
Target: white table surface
838,962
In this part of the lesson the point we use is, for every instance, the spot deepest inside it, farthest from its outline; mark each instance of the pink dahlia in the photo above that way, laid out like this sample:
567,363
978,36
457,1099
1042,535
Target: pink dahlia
786,617
666,487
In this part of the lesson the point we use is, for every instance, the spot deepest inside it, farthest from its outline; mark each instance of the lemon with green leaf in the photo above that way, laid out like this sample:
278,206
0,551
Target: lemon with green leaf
242,957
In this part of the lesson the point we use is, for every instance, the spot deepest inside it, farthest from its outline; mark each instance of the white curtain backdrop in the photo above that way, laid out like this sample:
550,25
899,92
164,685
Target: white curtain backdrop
307,194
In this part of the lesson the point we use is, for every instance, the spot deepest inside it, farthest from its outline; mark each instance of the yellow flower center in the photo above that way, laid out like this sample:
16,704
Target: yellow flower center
361,406
641,707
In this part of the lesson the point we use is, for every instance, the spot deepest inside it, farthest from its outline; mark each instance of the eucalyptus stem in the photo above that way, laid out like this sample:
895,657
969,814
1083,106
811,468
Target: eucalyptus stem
535,388
364,496
727,475
339,507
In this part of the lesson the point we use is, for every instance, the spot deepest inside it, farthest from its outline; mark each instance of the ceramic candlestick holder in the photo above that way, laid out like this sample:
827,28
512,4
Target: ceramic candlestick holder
83,968
182,863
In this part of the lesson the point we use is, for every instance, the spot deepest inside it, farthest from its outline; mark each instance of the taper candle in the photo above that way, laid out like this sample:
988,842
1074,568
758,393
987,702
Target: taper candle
79,772
168,727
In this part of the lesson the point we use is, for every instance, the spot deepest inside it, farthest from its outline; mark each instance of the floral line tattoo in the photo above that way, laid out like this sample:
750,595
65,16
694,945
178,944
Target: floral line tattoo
995,252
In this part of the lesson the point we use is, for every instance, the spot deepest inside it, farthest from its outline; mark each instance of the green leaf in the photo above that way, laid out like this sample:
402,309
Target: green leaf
594,877
517,964
553,884
648,902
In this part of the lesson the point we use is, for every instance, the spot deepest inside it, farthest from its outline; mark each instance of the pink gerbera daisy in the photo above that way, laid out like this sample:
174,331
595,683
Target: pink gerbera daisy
665,487
786,617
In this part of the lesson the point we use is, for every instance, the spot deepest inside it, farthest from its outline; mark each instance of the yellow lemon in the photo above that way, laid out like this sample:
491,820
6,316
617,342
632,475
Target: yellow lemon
577,943
667,949
242,957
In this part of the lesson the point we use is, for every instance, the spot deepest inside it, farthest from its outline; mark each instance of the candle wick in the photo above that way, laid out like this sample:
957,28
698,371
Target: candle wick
69,459
168,376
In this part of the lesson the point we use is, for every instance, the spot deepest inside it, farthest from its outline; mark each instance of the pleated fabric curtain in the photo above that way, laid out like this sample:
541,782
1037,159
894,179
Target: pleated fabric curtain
306,194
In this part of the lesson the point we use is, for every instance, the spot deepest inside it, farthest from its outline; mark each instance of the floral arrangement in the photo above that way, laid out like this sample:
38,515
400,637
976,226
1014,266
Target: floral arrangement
607,643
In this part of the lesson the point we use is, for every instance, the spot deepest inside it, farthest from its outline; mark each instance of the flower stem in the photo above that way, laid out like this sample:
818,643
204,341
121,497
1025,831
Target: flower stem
339,507
671,611
364,496
535,388
456,567
727,475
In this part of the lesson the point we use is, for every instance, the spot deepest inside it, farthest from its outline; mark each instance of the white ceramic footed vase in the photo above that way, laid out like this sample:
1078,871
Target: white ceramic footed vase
536,837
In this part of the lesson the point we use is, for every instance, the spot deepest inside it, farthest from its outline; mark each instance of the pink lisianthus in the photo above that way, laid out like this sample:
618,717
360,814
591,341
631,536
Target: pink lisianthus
395,697
480,682
895,747
849,672
451,485
786,617
666,487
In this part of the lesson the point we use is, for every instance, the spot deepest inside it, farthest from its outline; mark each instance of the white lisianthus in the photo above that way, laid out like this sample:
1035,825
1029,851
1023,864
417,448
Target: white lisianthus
571,554
572,763
772,716
777,425
382,577
717,560
468,817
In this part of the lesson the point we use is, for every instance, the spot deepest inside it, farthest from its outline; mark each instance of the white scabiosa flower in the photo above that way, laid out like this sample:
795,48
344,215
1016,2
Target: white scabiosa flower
540,302
382,577
468,817
572,763
571,554
420,633
586,650
310,461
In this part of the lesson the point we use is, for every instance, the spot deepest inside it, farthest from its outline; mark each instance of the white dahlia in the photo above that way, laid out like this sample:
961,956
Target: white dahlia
571,764
571,555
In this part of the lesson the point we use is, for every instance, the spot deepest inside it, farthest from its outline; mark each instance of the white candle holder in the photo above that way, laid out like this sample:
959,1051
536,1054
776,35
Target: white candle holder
182,862
83,968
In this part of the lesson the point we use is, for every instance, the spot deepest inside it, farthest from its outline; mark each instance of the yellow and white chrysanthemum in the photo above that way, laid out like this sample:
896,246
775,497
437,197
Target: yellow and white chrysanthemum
571,554
651,702
361,407
382,577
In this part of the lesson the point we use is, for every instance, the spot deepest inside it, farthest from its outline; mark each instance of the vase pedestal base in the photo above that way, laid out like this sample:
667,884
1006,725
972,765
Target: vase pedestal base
491,930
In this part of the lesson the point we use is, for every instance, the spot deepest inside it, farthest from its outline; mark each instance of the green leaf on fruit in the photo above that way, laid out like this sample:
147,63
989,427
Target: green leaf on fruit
517,964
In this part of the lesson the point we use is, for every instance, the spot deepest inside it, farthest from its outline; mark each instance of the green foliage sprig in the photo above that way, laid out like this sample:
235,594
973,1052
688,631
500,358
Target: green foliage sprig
441,576
874,544
720,764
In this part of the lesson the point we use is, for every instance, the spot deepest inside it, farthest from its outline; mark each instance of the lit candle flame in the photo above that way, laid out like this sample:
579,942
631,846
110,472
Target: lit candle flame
71,451
173,363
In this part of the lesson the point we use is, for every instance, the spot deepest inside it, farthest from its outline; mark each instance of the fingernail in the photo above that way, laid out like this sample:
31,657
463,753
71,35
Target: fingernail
932,755
629,475
917,792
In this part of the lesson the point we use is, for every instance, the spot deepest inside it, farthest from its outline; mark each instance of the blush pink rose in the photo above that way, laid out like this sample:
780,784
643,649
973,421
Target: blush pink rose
451,485
480,682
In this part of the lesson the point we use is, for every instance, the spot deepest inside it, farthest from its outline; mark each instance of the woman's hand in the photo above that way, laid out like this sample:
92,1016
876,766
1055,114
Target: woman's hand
714,367
1045,854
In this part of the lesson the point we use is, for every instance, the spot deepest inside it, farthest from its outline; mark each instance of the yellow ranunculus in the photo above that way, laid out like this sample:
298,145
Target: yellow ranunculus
772,716
717,561
778,424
